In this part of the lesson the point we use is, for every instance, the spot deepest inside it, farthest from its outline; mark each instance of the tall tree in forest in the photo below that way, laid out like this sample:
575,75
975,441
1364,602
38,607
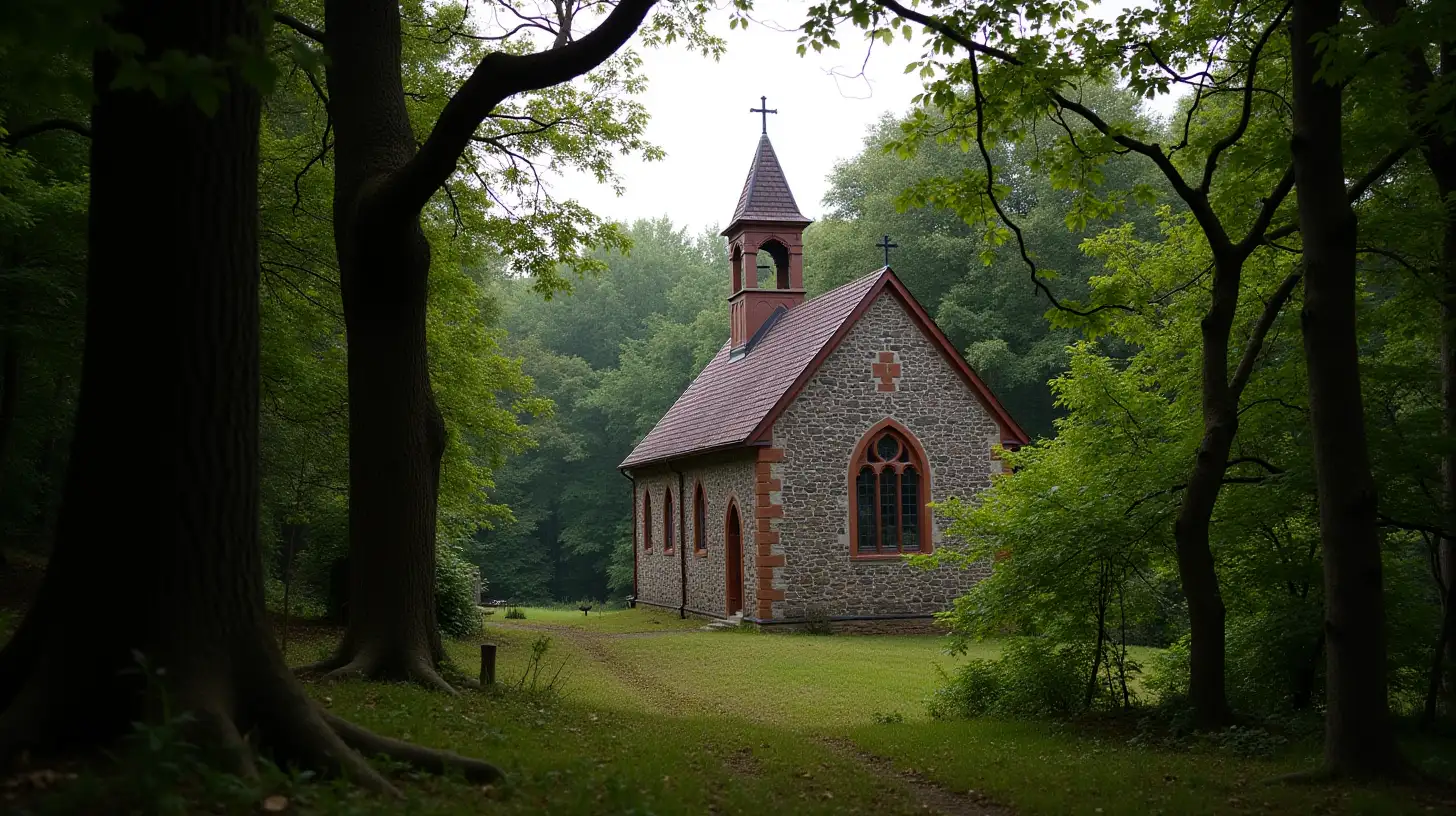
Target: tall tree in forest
383,182
1012,75
1428,104
1359,735
176,114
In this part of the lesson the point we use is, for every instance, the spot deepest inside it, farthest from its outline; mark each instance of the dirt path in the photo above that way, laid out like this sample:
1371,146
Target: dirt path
931,796
935,798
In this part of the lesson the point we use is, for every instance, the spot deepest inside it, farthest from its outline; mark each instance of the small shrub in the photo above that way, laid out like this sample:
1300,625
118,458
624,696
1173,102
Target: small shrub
1248,742
456,607
535,672
515,613
1034,677
816,621
888,718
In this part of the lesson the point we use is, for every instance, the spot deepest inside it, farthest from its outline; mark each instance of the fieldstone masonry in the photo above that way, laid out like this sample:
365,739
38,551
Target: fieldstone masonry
818,433
724,478
793,496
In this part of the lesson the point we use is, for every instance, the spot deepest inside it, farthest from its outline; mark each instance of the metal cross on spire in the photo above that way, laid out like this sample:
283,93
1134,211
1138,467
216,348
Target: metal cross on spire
765,110
887,246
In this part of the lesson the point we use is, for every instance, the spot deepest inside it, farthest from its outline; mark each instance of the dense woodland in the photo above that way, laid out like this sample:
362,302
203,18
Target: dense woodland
347,348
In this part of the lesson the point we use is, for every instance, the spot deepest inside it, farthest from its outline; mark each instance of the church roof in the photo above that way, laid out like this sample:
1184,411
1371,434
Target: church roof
766,195
735,402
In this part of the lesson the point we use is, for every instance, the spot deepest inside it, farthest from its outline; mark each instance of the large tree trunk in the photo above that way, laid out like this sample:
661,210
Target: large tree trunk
1440,155
167,440
1359,737
1206,684
396,434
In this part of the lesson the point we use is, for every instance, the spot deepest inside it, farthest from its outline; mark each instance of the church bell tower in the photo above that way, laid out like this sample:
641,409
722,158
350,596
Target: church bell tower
765,245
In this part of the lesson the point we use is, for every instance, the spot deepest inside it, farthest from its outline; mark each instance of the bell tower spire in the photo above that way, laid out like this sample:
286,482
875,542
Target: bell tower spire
766,233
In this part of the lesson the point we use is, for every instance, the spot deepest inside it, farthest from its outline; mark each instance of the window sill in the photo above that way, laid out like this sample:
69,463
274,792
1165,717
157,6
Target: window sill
700,553
883,556
669,552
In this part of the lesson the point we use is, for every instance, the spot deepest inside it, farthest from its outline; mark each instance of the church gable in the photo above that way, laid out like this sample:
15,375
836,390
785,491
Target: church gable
886,371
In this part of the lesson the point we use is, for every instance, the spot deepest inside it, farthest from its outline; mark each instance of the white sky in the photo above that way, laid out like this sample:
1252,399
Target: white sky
700,117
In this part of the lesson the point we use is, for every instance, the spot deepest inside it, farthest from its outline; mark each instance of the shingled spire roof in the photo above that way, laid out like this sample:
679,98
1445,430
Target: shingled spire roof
766,195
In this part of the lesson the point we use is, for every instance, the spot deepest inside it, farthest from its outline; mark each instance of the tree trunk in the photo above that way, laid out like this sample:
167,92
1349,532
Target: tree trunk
171,314
1440,155
1206,653
9,392
396,434
1359,737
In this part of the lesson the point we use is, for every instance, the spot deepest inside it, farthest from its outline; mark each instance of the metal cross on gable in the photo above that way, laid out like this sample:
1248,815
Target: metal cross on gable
887,246
764,109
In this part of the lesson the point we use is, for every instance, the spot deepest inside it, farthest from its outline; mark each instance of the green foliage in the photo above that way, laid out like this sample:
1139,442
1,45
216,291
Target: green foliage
988,310
612,356
515,613
1034,677
456,606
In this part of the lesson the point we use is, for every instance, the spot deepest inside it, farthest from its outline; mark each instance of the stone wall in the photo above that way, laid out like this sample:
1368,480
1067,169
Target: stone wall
818,434
724,478
867,626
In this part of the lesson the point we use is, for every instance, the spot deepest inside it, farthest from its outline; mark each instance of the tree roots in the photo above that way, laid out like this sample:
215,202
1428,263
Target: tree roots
344,665
261,699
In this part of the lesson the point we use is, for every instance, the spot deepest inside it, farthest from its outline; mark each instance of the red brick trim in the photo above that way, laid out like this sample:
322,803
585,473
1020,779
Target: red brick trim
921,462
765,536
1012,435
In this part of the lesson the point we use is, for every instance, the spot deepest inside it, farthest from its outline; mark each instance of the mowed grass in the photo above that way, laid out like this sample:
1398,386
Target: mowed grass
619,621
1043,768
648,720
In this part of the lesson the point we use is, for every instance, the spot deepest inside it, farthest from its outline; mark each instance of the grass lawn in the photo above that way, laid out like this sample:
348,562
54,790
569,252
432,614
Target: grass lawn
649,719
619,621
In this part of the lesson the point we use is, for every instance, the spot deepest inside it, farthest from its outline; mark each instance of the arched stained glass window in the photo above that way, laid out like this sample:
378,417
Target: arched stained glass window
668,528
888,496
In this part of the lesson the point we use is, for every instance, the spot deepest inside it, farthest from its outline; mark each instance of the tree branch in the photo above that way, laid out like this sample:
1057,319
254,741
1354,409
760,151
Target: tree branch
1261,330
300,26
1211,164
17,136
1356,190
499,76
1196,200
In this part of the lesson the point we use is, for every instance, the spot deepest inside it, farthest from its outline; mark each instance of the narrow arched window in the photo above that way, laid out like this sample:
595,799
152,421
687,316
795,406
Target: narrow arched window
700,522
667,526
646,520
888,494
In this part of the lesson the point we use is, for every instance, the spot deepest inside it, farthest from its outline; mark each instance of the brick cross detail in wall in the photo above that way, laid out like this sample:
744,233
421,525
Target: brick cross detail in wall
887,371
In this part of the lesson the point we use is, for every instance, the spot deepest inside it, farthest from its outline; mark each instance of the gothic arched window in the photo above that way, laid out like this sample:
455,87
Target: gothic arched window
889,488
646,519
668,528
700,522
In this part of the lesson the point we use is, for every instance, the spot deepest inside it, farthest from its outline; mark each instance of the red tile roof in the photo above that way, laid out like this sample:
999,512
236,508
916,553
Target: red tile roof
766,195
734,402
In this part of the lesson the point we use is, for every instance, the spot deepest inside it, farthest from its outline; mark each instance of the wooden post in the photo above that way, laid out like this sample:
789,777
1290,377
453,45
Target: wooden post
487,664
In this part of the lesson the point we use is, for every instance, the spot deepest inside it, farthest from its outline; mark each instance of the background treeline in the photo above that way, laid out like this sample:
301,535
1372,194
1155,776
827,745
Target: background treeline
614,354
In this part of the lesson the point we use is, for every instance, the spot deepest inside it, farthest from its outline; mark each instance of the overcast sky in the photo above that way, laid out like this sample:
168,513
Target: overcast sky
700,117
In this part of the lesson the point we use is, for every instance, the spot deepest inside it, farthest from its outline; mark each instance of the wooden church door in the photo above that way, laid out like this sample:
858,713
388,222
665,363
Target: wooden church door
733,560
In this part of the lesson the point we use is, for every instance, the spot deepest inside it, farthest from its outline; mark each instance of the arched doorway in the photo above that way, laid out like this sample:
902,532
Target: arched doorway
733,559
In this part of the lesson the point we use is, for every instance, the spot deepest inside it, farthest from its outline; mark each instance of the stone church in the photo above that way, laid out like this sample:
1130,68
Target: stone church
788,481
